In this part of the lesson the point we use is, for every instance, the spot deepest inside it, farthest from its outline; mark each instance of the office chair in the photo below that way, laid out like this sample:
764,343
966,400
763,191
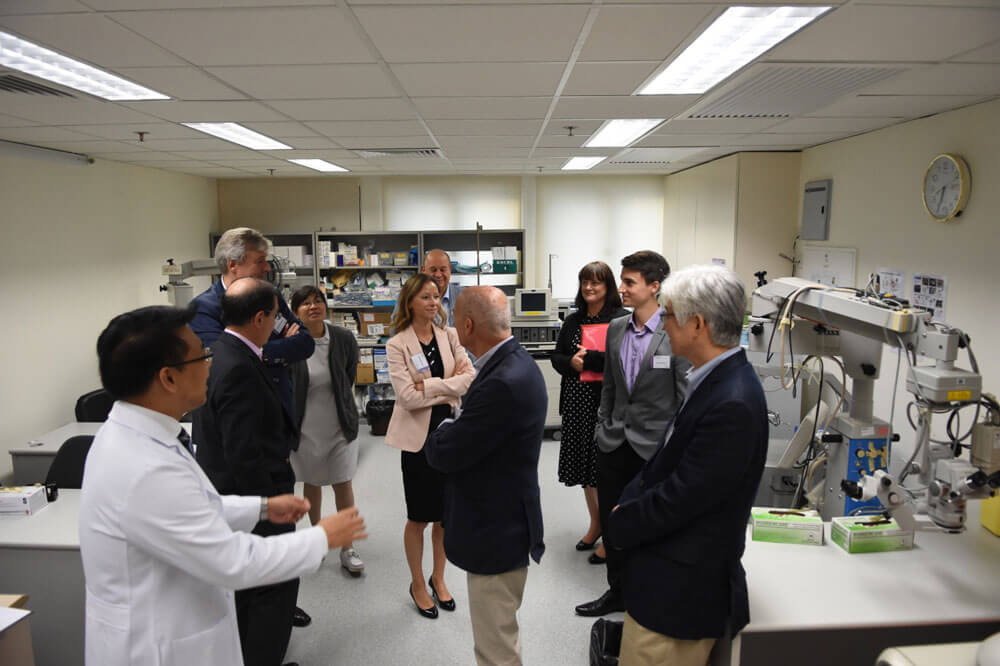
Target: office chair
94,406
66,470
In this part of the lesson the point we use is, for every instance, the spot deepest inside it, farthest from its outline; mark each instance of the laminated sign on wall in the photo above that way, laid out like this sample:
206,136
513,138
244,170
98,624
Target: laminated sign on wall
930,293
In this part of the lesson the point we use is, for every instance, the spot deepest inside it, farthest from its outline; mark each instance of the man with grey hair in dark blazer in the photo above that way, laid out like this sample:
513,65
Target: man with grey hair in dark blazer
644,384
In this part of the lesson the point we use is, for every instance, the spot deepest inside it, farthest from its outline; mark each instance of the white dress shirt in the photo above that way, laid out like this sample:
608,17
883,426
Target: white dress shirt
163,551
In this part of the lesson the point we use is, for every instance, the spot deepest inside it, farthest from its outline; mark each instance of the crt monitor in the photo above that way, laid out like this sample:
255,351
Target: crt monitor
532,303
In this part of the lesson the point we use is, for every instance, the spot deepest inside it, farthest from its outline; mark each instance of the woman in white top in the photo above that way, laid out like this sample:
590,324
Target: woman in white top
326,413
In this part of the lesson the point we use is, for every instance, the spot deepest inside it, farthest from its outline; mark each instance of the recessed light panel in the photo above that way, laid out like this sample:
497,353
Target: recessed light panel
582,163
734,39
236,133
318,165
619,133
36,60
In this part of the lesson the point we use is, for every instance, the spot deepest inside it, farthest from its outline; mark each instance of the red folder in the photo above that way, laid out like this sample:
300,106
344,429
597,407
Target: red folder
593,337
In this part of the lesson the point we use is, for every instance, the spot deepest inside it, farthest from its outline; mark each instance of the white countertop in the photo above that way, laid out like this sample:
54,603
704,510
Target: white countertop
945,578
49,443
55,526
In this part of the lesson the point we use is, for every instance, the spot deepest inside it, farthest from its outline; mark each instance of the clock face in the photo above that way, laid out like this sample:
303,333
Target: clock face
944,187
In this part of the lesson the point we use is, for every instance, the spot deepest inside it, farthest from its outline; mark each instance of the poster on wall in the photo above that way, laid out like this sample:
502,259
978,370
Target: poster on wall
930,293
891,281
833,266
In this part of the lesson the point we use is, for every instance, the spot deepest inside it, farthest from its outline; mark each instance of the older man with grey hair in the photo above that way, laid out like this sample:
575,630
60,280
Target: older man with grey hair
682,521
492,512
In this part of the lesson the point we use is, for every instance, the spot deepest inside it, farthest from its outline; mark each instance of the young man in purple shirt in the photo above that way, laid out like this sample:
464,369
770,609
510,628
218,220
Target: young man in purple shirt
644,385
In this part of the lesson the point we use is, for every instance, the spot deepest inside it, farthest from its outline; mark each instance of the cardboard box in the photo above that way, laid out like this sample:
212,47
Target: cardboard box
366,374
869,534
786,526
375,323
22,500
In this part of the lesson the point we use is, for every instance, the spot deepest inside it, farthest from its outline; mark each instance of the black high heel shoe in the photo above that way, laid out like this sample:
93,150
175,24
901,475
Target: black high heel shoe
430,613
445,605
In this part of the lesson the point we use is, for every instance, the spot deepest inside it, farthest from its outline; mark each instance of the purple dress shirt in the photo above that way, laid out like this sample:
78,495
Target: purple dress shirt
635,343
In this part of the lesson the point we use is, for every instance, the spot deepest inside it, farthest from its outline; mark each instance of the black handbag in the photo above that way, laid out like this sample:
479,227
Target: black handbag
605,642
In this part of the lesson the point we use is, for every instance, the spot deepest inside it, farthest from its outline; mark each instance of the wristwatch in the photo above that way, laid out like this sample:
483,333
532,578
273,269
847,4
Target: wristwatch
263,508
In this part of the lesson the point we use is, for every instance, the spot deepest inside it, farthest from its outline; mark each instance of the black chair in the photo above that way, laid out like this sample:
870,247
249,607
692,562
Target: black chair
66,470
94,406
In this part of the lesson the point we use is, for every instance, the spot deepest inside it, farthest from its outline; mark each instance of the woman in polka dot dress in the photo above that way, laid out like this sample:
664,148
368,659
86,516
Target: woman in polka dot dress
597,302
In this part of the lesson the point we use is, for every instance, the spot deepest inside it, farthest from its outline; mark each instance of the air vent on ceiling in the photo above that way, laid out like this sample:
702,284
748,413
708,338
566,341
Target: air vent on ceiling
14,84
781,91
375,153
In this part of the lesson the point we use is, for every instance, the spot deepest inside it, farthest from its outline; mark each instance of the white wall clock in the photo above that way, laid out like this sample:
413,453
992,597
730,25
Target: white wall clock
947,184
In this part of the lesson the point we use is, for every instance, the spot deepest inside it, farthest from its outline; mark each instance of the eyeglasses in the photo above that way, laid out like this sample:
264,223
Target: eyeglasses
207,356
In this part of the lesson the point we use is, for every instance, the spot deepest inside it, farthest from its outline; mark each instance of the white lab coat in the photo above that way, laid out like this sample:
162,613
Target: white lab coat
163,551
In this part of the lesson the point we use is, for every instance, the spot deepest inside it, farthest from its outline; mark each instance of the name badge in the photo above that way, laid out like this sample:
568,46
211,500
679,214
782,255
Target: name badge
661,362
279,323
420,362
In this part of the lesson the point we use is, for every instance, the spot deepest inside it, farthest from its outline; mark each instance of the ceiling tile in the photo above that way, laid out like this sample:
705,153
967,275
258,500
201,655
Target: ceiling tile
385,108
484,144
946,79
608,78
989,53
281,130
462,150
90,37
145,156
196,112
272,36
381,142
127,131
649,32
14,121
800,140
550,141
334,155
819,125
634,106
655,154
309,142
214,155
484,127
468,33
892,34
178,145
93,147
134,5
558,126
41,6
902,106
488,79
483,107
30,134
308,81
940,3
183,83
352,128
679,140
62,111
723,125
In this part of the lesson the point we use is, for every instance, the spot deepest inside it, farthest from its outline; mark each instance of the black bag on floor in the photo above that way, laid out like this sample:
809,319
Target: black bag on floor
378,413
605,642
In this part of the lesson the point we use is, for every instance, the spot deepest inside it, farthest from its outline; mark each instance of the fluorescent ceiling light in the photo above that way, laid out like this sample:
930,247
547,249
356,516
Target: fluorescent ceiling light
582,163
24,56
318,165
618,133
734,39
238,134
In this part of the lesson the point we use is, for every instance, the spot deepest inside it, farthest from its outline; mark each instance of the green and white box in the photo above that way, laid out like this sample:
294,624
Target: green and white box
21,500
869,534
786,526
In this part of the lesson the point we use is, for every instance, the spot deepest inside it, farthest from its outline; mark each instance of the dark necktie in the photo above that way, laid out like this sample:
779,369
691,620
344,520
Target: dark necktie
185,440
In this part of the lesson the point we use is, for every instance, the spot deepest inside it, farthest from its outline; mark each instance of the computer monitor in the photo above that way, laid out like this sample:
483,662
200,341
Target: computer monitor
532,304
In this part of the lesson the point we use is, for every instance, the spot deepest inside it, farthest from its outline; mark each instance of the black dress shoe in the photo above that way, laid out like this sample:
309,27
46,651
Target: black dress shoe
300,618
596,559
445,605
430,613
583,545
608,602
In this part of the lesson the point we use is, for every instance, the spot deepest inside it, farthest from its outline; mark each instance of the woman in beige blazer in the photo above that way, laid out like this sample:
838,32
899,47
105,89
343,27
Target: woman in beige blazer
430,371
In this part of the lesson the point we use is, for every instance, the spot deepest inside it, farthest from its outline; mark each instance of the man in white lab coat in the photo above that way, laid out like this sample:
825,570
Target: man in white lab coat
162,550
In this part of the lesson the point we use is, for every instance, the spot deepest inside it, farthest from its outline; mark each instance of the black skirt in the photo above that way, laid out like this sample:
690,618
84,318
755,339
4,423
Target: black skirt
423,487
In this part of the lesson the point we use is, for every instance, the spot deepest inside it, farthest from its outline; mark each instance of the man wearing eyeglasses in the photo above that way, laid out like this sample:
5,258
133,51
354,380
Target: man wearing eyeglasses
162,549
244,437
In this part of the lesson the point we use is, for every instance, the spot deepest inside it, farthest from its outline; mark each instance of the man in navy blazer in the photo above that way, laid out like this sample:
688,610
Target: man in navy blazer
492,513
242,252
682,520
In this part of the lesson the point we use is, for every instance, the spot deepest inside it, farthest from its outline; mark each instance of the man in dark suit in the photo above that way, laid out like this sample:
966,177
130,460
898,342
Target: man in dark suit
243,436
492,514
644,384
681,522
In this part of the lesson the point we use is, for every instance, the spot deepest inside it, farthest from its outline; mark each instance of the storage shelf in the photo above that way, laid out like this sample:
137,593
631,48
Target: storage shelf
366,268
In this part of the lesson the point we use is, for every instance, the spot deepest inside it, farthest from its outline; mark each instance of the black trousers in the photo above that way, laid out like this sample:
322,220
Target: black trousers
614,471
264,614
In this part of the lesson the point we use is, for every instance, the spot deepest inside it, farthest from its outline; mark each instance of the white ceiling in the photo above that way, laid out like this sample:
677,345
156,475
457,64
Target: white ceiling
492,83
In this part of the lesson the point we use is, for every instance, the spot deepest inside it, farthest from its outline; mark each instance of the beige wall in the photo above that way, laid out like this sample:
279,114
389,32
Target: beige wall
699,218
768,214
416,203
877,209
290,205
83,243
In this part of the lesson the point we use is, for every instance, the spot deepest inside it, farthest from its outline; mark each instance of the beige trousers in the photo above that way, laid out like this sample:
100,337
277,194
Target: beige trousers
642,647
493,604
